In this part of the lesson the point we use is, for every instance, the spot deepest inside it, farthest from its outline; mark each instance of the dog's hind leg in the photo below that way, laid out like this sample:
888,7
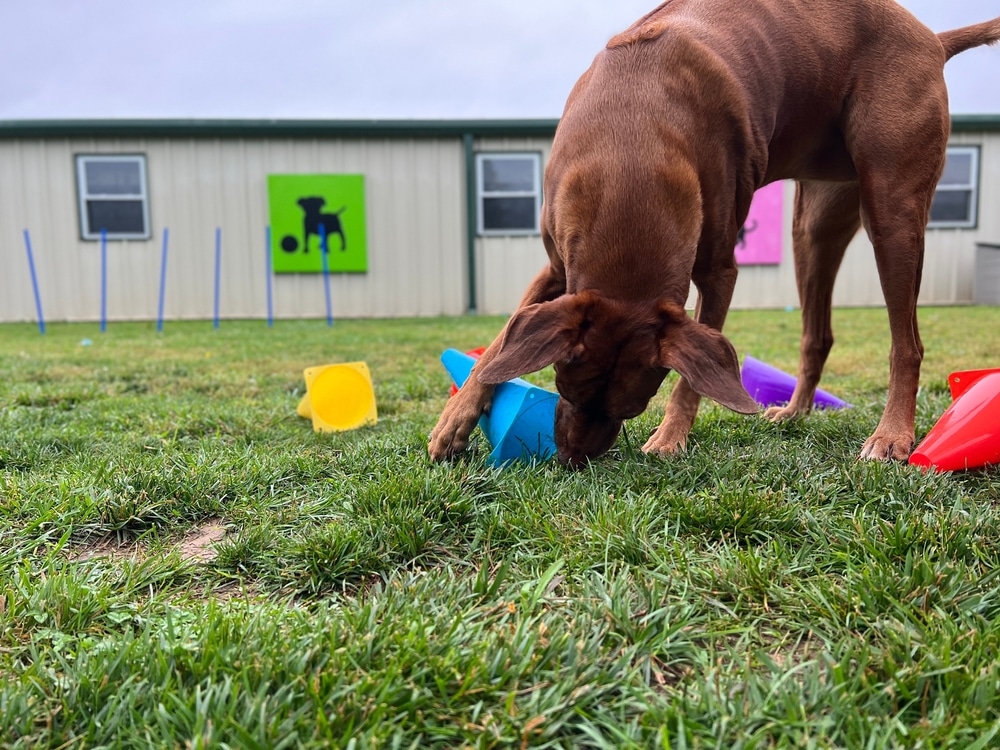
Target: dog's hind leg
827,215
899,160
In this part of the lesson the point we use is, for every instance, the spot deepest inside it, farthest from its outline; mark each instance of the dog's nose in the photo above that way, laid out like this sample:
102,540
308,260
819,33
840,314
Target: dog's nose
580,439
572,461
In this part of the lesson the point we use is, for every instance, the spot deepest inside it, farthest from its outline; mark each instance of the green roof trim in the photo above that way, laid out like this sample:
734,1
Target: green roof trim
970,123
274,128
544,128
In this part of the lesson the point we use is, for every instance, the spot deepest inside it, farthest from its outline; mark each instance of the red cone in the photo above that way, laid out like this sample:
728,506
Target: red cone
967,435
475,354
959,382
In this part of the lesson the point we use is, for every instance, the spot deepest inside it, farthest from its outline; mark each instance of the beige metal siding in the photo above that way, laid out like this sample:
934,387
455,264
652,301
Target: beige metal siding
415,196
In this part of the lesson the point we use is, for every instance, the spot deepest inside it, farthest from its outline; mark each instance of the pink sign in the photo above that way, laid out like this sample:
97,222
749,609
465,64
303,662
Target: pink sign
759,241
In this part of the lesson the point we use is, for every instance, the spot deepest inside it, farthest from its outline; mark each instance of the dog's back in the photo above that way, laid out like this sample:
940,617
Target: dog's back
779,76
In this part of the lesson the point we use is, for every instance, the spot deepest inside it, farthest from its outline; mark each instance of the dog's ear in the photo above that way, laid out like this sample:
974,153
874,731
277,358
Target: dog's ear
536,336
705,358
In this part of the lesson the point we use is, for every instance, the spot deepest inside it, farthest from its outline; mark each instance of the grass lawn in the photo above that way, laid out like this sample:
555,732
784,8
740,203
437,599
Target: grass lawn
185,563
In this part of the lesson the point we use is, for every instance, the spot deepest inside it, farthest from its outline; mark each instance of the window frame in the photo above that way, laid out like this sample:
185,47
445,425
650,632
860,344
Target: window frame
482,194
84,197
972,187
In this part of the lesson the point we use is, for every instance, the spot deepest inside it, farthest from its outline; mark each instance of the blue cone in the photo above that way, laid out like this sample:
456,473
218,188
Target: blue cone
522,419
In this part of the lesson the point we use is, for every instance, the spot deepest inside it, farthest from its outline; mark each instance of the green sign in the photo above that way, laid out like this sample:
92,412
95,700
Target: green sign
305,209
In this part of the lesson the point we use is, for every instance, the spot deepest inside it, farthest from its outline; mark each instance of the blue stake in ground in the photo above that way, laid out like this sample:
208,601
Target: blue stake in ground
34,281
268,273
324,252
163,281
522,419
218,276
104,280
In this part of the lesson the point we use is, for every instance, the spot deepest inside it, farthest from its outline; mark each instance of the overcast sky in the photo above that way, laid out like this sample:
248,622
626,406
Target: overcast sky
342,59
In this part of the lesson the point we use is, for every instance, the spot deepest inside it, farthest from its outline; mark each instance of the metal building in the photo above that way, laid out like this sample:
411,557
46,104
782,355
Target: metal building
450,217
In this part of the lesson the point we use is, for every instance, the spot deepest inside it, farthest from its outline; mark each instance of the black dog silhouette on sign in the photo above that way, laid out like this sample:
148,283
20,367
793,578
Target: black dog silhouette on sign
741,236
314,219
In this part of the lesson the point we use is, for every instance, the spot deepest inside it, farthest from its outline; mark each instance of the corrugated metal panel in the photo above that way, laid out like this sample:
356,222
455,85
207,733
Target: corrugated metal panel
416,243
949,254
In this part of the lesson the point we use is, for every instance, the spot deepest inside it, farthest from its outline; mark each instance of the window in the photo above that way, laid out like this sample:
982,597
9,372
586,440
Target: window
508,190
113,197
955,202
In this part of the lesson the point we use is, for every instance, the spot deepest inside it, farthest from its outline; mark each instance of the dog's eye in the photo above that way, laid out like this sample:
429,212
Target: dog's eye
575,355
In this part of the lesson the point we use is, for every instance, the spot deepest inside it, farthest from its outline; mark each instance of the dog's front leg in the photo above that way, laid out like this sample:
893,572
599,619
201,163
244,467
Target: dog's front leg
459,418
715,292
671,436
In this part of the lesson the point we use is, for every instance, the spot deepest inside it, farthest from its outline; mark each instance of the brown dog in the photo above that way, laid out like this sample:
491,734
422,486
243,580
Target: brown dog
656,158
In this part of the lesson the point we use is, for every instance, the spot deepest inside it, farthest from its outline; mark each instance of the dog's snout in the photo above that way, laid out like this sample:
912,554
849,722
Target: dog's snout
582,436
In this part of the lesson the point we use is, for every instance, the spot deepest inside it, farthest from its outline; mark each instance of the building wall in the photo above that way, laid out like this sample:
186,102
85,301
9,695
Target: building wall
417,232
415,196
508,264
949,255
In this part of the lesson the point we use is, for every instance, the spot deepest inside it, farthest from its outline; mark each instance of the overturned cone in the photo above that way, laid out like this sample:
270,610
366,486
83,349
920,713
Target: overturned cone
338,397
769,386
967,436
520,425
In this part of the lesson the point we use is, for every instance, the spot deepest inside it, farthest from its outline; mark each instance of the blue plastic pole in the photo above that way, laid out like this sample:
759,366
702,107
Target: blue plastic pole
104,280
34,282
218,273
326,273
267,275
163,281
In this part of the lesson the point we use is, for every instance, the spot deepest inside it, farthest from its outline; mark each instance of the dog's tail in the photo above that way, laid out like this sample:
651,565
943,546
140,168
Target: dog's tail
967,37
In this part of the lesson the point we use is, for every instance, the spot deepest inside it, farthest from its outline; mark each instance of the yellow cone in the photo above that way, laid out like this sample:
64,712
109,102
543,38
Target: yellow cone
338,397
304,409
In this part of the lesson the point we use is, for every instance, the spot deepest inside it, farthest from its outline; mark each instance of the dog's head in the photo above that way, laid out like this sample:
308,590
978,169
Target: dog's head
312,205
610,359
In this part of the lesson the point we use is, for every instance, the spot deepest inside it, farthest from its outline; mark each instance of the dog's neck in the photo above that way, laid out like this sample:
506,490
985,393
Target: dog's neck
627,227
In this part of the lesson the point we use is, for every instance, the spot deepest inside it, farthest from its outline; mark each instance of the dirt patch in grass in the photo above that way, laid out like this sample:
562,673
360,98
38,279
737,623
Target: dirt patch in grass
199,544
108,547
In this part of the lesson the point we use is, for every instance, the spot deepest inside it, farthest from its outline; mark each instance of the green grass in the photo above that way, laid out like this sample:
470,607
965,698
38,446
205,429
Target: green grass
765,589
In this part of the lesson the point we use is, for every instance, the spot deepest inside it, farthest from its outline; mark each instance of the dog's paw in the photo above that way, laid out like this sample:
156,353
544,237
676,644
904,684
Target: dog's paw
665,443
887,447
449,439
445,444
450,435
783,413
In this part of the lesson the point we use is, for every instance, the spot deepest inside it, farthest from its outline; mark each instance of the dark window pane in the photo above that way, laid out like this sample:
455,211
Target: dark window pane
509,213
117,217
951,206
957,169
508,175
113,178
